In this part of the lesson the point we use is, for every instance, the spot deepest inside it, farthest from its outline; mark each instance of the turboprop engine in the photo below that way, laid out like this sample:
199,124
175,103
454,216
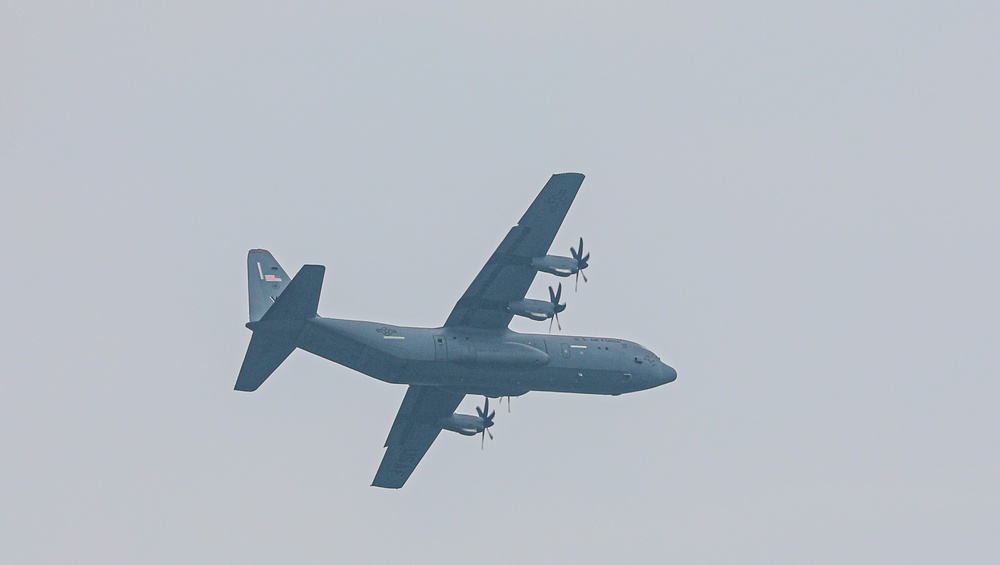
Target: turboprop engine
539,310
469,425
564,266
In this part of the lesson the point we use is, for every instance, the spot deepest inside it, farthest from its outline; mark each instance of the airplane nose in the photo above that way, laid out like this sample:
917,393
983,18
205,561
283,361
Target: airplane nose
667,373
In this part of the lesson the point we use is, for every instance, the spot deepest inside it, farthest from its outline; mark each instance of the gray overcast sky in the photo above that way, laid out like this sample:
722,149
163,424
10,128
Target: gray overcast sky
795,206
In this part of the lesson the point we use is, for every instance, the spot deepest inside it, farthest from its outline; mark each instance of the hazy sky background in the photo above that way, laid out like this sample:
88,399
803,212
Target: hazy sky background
795,206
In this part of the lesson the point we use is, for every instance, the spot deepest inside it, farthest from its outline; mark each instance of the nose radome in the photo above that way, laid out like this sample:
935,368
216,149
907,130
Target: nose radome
668,373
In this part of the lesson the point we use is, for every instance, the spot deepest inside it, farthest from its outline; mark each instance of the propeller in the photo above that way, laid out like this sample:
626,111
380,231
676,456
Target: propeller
487,417
556,307
581,263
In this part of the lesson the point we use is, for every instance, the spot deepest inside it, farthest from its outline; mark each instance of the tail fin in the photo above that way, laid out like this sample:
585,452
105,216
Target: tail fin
265,280
277,326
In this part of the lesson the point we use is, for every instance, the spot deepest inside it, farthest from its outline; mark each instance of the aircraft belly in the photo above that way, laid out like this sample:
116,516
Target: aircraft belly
329,345
583,381
497,382
350,353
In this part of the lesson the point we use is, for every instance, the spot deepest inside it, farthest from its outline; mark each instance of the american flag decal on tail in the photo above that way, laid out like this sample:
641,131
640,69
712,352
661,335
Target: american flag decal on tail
272,278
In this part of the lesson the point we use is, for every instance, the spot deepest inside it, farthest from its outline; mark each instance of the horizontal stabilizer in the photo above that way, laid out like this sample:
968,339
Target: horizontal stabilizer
276,333
268,349
300,298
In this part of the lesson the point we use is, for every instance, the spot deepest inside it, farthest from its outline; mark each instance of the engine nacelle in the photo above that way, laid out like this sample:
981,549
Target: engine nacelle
556,265
464,424
538,310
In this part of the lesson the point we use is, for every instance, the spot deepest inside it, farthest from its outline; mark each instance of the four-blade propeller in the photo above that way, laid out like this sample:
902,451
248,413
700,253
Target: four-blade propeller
581,263
487,417
554,297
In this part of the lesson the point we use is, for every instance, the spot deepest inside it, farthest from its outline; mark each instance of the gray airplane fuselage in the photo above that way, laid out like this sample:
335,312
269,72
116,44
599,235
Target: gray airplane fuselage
482,362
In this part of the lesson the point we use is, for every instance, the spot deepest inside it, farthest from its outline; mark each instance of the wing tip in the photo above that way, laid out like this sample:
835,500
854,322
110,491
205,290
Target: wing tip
387,486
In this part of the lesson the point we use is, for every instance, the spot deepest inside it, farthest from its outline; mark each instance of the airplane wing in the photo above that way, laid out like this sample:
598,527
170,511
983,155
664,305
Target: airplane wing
508,274
414,430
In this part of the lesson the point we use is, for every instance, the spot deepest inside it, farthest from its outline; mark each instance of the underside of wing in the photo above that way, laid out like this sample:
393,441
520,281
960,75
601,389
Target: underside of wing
416,427
508,274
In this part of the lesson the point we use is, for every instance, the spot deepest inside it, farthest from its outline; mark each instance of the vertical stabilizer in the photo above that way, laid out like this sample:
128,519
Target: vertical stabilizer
265,280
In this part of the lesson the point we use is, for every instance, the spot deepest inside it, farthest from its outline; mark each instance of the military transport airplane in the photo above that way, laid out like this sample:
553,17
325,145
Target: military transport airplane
473,353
